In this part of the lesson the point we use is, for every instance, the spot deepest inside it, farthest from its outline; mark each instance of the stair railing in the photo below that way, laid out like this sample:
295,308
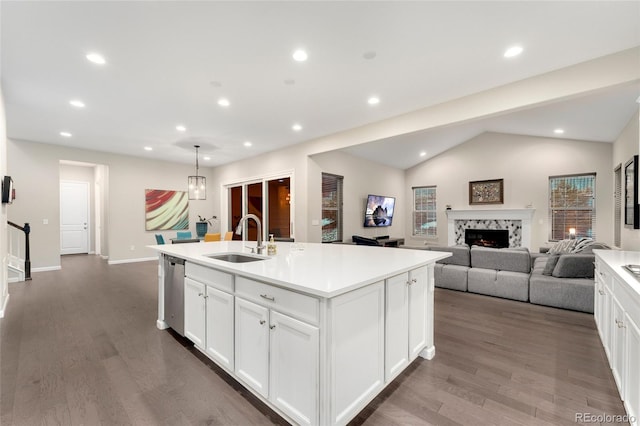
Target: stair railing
27,257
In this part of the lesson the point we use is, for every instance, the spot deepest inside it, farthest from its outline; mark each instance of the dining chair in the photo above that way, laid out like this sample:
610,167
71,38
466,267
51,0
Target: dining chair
159,239
211,237
184,235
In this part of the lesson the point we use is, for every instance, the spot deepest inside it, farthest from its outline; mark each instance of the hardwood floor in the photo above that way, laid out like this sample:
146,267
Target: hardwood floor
80,347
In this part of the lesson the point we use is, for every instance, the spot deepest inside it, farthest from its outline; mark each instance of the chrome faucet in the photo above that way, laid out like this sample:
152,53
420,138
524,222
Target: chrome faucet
259,245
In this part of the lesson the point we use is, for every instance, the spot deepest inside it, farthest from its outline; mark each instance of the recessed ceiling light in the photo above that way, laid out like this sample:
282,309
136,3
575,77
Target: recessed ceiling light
422,154
558,131
96,58
300,55
289,82
223,102
373,100
247,144
76,103
181,128
206,158
296,127
148,148
65,134
215,83
513,51
369,55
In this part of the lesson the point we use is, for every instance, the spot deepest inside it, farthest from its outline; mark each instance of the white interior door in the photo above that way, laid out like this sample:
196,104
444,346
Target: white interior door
74,217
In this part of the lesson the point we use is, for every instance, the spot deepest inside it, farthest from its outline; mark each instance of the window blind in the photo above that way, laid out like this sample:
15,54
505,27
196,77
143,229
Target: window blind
425,222
331,208
572,205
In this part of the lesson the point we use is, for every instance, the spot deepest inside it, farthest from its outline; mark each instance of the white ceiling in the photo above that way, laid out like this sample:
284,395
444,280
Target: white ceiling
168,63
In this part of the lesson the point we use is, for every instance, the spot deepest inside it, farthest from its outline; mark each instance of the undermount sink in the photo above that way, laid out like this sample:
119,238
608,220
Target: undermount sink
235,257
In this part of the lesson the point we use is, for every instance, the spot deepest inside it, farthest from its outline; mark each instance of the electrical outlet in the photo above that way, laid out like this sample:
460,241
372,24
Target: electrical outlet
45,221
132,248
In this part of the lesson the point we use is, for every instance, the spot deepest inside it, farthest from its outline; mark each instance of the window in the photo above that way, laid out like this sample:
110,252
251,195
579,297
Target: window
572,205
331,208
425,222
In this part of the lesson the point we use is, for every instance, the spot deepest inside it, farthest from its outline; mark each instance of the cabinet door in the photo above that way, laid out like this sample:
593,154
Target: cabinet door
194,311
396,325
418,311
294,368
632,376
618,346
219,327
252,345
598,300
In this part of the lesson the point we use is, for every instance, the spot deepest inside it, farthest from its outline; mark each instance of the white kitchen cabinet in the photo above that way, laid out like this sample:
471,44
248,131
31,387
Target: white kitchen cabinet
194,312
209,313
406,319
632,368
294,367
278,357
396,325
618,346
252,345
419,312
618,316
219,327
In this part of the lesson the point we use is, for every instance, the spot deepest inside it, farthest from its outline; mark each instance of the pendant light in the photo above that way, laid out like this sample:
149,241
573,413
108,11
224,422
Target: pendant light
197,184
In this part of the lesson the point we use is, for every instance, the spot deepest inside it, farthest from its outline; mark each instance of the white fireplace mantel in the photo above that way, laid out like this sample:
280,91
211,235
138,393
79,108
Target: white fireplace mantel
523,215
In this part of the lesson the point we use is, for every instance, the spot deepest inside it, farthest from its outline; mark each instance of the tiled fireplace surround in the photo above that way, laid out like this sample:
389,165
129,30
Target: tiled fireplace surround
517,221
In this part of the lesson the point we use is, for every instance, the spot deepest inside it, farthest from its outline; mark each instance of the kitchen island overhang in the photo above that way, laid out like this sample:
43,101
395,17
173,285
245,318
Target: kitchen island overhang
354,316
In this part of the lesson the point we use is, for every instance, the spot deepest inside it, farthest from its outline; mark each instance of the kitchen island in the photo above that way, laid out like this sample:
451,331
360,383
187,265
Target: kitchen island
315,331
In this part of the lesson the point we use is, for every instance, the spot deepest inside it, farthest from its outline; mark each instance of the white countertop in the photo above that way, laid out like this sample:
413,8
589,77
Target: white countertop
324,270
616,259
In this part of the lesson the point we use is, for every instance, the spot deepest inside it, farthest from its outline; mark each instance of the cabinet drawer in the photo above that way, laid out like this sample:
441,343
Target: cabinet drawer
304,307
211,277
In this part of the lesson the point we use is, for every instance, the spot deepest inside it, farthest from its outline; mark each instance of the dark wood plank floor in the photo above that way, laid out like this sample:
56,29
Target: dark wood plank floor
80,347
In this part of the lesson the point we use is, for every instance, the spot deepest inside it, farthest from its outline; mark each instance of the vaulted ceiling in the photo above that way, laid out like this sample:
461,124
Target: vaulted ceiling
172,64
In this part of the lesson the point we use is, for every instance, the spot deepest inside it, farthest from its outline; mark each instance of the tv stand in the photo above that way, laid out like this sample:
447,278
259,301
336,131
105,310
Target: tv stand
390,242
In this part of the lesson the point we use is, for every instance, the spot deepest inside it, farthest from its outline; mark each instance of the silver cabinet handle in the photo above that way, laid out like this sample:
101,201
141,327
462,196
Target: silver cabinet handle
264,296
601,292
200,294
620,323
262,322
272,326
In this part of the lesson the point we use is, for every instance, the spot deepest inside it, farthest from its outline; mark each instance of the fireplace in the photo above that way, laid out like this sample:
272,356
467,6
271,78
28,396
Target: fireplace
498,238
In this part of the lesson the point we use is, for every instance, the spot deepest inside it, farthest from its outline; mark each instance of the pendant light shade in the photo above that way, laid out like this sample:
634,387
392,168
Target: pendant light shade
197,184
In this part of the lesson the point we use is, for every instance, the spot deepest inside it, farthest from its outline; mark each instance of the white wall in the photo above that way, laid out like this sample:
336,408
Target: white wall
36,171
525,163
4,288
626,146
361,177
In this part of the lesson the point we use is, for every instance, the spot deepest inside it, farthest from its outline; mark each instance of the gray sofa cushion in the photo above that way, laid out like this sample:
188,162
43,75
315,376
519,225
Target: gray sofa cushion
453,277
566,293
551,263
506,284
574,266
514,260
460,255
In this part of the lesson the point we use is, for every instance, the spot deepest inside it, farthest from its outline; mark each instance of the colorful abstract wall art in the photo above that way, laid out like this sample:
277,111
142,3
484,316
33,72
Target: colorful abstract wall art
166,210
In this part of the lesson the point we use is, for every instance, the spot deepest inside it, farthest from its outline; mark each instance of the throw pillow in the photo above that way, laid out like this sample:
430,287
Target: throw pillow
574,266
551,264
562,246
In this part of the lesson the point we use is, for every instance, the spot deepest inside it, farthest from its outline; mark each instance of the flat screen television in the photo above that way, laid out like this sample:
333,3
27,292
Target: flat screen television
379,211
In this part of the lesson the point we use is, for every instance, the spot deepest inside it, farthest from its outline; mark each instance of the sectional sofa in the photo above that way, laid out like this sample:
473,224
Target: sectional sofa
562,280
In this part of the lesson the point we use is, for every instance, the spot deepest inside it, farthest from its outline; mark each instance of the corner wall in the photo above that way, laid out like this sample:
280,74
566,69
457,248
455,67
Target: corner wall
525,163
625,147
36,171
4,250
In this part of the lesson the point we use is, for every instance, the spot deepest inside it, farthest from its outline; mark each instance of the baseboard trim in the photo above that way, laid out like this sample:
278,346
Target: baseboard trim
142,259
4,306
46,269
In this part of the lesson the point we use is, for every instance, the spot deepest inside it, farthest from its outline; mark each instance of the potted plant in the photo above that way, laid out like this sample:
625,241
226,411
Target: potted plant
202,225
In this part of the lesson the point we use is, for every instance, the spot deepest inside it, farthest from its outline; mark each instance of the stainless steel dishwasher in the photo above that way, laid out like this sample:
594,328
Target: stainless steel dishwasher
174,293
